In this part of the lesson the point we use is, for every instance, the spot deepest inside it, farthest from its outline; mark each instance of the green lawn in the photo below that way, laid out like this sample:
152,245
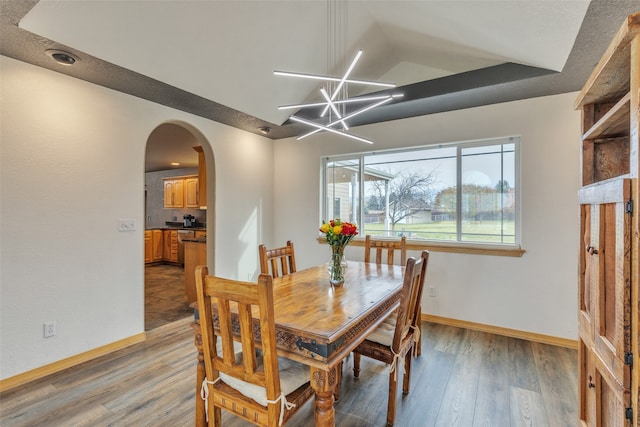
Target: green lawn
472,231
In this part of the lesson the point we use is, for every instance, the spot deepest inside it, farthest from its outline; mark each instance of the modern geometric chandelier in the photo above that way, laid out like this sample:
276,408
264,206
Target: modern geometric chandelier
335,94
336,106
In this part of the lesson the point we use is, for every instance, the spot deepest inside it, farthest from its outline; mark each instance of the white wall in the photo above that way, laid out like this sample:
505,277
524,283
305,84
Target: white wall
534,293
71,165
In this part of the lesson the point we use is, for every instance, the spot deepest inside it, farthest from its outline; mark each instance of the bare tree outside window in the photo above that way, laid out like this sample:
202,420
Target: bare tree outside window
409,193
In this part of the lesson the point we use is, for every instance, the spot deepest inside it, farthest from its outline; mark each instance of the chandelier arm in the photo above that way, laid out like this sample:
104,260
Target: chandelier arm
328,129
338,101
292,106
343,79
308,134
362,110
328,126
332,79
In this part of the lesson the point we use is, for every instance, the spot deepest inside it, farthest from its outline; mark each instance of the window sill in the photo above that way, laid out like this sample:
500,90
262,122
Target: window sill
454,247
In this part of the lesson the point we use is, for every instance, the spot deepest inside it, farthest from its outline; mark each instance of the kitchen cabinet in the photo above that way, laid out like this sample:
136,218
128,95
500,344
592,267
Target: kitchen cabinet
174,193
182,192
191,190
201,233
153,242
148,247
156,242
170,244
609,247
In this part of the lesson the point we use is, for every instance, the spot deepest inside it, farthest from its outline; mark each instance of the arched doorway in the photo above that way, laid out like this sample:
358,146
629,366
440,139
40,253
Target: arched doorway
175,213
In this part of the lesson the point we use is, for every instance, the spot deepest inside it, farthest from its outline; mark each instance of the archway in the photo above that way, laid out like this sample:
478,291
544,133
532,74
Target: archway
177,160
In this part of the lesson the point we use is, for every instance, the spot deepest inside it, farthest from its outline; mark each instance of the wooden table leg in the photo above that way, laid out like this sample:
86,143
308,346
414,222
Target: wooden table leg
201,420
336,392
324,383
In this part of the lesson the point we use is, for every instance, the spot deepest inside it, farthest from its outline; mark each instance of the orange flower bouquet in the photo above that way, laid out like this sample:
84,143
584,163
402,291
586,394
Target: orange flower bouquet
338,234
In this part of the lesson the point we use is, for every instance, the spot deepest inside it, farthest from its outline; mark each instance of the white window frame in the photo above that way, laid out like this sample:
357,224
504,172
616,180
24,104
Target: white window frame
442,244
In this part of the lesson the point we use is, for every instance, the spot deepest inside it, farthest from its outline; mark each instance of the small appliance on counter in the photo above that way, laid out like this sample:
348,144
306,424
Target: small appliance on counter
188,221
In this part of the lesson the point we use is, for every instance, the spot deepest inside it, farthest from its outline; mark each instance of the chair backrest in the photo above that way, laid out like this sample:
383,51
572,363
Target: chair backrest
277,261
410,299
380,245
236,299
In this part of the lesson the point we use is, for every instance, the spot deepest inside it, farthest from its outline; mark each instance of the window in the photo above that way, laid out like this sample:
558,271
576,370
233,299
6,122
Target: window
459,192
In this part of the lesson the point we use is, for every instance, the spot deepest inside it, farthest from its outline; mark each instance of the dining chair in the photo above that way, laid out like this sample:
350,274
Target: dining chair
395,339
258,387
381,245
277,261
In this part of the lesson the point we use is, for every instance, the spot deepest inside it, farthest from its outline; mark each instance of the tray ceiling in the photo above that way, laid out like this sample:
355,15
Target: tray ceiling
216,58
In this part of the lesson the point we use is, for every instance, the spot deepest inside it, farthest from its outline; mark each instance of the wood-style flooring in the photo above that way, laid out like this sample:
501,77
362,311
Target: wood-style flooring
463,378
164,298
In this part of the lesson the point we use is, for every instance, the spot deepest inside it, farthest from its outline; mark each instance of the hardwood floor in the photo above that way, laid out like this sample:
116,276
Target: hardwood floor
463,378
165,300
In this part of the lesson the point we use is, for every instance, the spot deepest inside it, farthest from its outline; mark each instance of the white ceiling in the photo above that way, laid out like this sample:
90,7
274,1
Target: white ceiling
226,51
170,143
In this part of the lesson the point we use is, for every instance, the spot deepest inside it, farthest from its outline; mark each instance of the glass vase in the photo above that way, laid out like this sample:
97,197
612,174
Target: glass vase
337,266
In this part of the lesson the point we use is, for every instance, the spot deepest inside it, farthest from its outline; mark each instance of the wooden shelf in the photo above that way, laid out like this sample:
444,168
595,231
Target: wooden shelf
609,81
614,123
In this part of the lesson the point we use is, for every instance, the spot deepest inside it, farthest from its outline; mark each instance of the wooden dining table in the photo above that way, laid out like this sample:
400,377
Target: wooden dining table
319,325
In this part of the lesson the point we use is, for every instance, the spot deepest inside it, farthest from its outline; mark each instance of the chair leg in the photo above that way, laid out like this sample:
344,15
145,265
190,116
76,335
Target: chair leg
393,389
407,372
356,364
419,343
217,417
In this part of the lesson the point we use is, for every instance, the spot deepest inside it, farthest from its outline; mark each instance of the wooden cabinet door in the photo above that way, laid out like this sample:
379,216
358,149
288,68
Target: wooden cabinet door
168,194
605,304
174,193
148,246
166,245
178,193
156,239
191,190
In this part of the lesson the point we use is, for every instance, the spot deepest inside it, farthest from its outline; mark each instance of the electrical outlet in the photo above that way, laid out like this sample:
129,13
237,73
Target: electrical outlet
431,292
49,329
126,225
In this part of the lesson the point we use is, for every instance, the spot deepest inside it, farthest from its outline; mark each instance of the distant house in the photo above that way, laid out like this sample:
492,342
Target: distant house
419,217
342,184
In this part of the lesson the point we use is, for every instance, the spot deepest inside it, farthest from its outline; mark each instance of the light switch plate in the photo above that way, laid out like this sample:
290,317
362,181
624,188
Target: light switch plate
126,225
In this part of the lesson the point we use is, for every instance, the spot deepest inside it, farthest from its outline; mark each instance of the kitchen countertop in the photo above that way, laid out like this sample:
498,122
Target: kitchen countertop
179,226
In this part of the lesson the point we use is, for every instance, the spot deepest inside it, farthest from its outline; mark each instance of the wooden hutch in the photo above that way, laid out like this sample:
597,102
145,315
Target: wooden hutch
609,362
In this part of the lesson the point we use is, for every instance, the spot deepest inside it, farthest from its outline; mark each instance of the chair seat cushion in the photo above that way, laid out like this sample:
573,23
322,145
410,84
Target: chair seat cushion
292,376
383,334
